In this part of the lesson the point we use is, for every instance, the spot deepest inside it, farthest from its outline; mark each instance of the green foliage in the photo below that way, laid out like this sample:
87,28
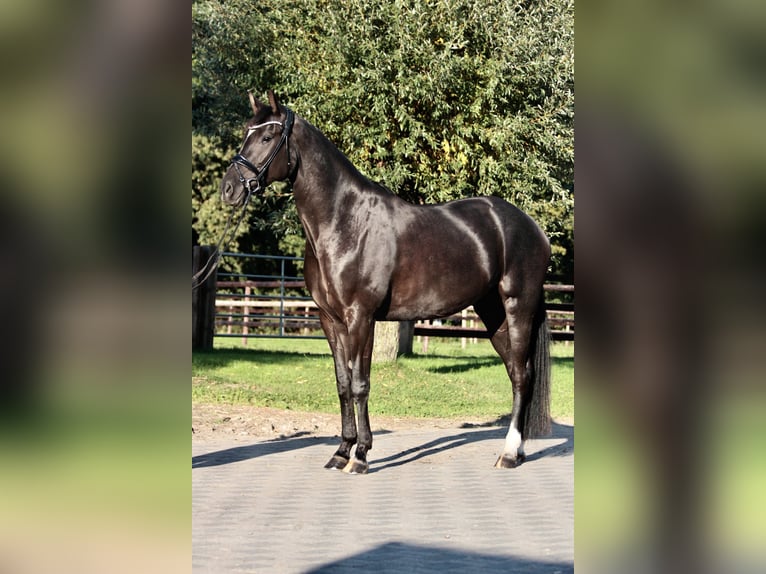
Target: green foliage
438,100
209,161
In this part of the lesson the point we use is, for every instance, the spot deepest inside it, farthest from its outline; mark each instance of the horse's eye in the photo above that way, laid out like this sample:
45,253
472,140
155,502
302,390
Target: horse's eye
266,139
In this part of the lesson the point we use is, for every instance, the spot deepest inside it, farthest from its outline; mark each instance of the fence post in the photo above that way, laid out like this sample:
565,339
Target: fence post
282,299
203,302
246,314
463,324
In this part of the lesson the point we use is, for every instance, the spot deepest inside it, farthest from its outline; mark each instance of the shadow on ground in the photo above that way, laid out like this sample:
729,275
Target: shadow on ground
246,452
465,364
469,363
432,447
445,443
396,557
223,357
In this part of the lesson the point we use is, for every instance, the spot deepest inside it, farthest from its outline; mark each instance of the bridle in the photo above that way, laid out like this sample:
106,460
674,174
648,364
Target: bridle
258,183
247,182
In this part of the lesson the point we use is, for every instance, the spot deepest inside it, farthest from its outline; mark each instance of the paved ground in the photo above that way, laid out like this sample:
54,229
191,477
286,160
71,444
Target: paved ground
432,502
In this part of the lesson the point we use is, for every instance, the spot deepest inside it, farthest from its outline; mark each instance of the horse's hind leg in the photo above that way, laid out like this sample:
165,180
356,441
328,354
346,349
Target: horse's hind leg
510,331
517,363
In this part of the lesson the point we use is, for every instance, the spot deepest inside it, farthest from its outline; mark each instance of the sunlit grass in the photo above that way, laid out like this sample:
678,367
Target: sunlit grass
448,381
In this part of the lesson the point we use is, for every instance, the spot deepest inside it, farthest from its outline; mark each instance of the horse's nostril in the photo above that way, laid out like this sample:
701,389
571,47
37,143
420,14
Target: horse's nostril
227,190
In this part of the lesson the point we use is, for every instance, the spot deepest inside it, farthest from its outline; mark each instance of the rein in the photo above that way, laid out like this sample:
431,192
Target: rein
260,184
215,258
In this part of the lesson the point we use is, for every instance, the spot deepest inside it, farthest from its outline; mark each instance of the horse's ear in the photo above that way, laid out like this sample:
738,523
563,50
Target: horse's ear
274,103
254,103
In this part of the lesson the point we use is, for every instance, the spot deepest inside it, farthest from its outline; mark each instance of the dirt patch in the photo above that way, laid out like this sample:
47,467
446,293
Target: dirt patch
215,422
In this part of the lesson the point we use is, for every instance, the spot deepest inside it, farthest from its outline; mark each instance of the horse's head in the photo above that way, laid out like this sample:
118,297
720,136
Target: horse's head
265,153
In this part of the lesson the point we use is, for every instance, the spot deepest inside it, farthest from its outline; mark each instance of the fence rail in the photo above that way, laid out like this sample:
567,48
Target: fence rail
275,303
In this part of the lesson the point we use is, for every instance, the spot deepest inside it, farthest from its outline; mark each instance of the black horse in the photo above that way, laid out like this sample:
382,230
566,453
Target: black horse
371,256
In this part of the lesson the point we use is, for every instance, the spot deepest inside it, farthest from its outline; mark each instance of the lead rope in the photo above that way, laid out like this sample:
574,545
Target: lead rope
215,257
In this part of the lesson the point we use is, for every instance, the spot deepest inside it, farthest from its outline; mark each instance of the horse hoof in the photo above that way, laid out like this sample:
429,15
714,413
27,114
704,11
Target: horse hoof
356,467
337,463
505,461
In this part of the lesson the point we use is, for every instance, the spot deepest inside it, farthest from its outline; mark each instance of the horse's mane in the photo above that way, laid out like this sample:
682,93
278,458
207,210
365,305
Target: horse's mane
383,187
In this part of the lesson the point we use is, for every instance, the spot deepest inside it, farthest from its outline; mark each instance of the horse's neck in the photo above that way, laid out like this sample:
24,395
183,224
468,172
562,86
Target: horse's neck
324,180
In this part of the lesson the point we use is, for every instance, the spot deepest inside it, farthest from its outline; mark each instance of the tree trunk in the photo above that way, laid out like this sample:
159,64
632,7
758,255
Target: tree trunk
392,339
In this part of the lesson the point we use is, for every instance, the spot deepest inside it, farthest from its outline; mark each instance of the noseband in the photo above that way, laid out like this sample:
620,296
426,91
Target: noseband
258,183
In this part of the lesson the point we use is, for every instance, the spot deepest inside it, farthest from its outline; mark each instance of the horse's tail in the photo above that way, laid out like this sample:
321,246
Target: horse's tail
537,413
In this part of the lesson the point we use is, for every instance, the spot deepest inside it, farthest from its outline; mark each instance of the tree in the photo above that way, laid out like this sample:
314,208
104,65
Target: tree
392,339
437,100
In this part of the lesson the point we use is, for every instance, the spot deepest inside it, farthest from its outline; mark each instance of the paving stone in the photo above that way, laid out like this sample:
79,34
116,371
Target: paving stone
432,502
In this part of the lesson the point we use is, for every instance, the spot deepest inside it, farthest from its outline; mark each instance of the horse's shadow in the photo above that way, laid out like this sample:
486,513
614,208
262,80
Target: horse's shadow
446,443
296,441
304,439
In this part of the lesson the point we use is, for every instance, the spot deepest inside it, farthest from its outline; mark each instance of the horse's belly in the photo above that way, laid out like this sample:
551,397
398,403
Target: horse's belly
416,313
433,299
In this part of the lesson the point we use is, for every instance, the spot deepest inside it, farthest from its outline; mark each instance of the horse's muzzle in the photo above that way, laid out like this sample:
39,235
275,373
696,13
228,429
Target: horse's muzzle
232,194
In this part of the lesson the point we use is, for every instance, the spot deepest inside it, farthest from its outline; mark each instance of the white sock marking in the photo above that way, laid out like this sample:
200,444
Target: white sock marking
513,442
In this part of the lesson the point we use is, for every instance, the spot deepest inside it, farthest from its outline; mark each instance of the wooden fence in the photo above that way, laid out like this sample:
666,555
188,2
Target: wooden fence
252,306
468,326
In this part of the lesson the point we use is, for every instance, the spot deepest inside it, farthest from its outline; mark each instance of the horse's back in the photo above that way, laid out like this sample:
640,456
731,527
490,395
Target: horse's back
511,221
451,255
526,250
505,229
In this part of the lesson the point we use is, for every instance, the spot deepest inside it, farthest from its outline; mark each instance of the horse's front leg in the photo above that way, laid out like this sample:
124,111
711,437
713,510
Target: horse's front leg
343,379
342,456
360,391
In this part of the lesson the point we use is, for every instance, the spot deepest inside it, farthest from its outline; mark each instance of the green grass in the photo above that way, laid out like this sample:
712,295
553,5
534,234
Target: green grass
299,375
